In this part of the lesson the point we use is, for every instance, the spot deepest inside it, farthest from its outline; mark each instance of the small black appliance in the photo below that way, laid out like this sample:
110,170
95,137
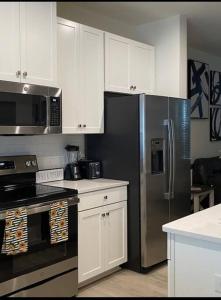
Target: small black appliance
72,171
90,169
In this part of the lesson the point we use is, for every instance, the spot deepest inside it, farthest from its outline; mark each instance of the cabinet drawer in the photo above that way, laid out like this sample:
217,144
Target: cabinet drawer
102,197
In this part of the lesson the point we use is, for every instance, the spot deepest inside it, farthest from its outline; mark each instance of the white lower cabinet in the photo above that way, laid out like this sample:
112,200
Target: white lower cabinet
90,243
102,239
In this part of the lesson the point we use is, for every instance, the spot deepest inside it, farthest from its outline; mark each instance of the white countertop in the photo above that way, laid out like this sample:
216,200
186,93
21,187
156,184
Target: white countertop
86,185
204,225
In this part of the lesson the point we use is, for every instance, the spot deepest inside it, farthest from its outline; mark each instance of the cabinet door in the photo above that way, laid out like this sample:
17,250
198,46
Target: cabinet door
117,63
68,75
92,78
142,68
10,41
90,243
38,43
115,234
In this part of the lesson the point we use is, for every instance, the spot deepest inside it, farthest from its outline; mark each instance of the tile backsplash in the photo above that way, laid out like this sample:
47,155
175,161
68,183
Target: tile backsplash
49,149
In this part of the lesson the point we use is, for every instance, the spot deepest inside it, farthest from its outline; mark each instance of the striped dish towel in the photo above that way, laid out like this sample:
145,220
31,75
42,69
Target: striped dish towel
15,239
59,222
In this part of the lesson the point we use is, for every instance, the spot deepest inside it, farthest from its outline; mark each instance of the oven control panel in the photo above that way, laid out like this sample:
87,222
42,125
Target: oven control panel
5,165
18,164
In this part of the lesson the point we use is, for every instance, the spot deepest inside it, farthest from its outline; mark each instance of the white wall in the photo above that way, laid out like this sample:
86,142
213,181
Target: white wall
48,148
71,11
169,36
201,146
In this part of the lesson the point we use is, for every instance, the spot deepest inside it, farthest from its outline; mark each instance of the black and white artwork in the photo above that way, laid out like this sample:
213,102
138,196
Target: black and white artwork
215,123
198,89
215,88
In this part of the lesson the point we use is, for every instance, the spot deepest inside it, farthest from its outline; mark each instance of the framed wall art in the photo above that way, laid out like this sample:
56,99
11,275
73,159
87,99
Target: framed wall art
198,89
215,88
215,123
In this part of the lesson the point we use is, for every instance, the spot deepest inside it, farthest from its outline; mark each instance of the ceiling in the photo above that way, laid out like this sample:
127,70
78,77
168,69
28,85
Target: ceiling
204,18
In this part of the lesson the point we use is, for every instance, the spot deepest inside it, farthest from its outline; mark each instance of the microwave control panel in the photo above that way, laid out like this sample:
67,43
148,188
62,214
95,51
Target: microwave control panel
55,111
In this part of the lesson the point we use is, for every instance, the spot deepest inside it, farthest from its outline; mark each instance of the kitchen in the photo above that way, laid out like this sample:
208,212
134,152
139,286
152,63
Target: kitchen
85,144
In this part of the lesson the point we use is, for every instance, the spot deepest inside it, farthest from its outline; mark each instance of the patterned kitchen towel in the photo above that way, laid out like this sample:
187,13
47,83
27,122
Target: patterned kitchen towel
59,222
16,233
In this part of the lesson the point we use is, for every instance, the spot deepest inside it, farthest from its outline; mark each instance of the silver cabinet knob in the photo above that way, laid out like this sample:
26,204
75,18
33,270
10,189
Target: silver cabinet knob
84,125
79,125
131,87
18,73
105,197
103,215
134,88
25,74
107,214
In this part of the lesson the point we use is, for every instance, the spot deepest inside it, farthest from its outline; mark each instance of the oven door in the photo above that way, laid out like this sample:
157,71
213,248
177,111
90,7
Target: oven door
22,113
43,260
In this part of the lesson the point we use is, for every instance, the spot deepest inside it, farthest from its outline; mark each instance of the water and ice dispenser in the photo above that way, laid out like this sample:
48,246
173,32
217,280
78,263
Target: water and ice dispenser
157,157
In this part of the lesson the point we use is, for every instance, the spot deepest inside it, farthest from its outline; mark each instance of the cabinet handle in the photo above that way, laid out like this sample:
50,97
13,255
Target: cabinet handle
105,197
79,125
84,125
18,73
103,215
25,74
107,214
131,87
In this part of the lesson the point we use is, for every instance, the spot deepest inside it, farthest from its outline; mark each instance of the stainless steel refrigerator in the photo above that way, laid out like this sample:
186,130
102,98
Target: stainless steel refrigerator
147,141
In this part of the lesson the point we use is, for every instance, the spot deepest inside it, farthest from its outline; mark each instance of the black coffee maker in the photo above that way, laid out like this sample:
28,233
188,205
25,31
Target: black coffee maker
71,171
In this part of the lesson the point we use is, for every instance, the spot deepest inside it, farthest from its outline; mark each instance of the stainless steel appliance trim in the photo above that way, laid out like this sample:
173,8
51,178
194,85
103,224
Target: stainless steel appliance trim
170,158
173,158
143,172
20,166
31,89
167,193
39,208
24,130
25,280
65,285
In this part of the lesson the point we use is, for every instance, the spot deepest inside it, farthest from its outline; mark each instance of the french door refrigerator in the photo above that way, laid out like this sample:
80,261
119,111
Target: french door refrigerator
147,142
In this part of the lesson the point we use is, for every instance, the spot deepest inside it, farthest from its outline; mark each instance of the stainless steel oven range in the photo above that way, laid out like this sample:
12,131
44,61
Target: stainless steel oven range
45,270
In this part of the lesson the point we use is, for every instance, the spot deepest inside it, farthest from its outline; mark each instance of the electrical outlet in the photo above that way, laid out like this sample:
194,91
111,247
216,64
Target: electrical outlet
49,175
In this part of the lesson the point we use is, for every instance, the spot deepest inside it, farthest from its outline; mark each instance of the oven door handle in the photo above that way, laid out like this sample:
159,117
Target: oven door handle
39,208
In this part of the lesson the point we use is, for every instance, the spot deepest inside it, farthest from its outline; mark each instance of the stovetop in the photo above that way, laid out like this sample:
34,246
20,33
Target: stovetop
12,196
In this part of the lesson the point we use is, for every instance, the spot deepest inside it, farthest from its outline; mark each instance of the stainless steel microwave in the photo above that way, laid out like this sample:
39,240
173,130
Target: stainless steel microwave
28,109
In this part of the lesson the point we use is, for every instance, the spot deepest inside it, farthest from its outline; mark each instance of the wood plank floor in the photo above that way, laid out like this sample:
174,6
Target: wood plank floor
126,283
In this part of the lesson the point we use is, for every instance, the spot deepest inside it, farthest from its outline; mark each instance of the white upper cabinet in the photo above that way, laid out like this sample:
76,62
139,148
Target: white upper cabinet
142,67
10,41
68,75
129,65
81,77
28,42
38,42
92,78
117,63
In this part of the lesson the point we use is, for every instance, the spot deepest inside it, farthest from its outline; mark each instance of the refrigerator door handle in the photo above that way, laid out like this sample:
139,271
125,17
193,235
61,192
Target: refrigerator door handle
172,158
167,195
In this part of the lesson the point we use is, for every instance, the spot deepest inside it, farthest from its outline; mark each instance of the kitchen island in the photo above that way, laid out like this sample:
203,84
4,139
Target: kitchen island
194,254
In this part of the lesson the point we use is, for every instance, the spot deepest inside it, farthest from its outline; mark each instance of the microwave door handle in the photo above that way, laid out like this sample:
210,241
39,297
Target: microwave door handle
39,208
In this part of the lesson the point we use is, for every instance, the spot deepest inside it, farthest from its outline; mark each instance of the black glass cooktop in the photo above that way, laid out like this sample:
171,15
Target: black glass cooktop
18,195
